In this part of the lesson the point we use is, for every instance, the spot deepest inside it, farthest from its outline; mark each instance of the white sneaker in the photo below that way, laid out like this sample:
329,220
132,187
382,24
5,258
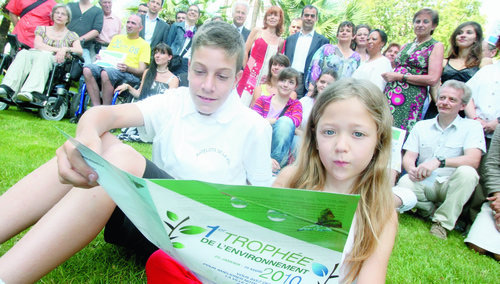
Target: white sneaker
24,97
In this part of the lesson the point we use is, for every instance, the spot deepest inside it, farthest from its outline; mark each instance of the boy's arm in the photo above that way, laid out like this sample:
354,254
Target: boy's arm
94,123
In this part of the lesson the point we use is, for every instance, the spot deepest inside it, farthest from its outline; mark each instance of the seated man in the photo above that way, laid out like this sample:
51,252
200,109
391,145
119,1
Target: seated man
484,235
130,71
184,124
442,155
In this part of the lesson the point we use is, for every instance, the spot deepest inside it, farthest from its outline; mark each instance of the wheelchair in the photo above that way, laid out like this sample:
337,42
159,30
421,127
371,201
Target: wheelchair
81,102
57,94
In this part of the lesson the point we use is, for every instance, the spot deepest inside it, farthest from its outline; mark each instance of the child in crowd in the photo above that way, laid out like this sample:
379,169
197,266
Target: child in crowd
183,123
277,63
283,113
327,77
346,149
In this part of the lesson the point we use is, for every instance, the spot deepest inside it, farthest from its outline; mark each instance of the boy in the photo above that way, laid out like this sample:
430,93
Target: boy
185,124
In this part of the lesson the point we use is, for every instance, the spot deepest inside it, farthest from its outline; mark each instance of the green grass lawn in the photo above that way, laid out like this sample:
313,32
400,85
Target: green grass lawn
26,142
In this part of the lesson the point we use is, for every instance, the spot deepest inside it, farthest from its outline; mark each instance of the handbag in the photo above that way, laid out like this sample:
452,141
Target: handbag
176,61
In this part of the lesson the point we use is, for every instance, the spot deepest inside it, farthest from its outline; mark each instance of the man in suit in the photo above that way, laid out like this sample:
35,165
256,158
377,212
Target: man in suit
306,39
180,36
155,29
240,12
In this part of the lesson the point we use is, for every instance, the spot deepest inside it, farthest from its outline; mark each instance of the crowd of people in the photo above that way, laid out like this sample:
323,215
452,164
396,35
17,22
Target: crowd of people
294,112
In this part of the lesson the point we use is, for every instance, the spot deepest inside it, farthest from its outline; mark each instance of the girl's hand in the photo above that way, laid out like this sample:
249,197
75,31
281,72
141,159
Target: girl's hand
271,120
275,165
122,87
72,167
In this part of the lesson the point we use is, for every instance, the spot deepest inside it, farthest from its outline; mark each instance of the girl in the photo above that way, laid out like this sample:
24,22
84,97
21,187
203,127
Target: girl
463,61
346,149
262,43
277,63
157,79
327,77
283,113
361,41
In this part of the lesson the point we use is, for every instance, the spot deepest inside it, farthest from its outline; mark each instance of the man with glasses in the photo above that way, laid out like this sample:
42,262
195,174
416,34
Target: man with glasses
180,36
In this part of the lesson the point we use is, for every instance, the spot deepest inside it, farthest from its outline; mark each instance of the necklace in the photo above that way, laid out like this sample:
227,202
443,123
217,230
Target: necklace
161,71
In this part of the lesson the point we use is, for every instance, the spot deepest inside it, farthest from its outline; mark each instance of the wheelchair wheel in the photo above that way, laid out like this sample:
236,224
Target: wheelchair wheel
75,105
51,112
3,106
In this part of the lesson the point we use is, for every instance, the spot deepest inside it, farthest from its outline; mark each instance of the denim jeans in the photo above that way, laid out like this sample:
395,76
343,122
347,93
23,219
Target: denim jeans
283,132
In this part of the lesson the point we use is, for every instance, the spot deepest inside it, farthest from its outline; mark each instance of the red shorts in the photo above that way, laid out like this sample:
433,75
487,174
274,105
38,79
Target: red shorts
161,268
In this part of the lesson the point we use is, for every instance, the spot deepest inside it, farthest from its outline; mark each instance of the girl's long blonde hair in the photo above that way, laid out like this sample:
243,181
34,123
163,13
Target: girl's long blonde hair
376,204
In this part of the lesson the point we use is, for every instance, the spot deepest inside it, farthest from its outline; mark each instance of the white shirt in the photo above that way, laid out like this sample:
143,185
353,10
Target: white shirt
149,29
186,42
231,146
485,87
301,51
372,71
429,140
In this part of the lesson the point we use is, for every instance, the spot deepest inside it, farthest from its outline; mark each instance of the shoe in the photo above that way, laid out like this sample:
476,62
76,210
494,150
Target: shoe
24,97
3,93
438,231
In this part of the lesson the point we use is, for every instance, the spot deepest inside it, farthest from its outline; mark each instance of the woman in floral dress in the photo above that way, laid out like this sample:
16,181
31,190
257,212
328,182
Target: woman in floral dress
418,67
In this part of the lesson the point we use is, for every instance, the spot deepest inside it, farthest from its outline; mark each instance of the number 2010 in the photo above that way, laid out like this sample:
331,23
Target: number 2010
278,275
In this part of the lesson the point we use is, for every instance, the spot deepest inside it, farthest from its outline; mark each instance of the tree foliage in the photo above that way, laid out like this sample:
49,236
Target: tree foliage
395,16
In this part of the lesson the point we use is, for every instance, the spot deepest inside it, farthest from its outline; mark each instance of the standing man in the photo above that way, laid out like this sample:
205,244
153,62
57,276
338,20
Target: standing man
138,56
304,40
442,155
86,21
111,26
295,26
142,9
240,12
180,36
180,16
26,16
155,29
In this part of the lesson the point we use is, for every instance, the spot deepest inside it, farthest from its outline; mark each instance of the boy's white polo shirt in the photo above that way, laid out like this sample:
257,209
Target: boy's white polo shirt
230,146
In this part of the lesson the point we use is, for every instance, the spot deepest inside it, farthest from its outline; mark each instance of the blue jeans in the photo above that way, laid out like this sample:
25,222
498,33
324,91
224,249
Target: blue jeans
283,132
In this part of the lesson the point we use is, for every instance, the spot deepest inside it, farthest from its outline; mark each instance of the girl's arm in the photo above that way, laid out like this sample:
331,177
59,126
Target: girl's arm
374,268
174,83
294,112
257,93
284,176
134,92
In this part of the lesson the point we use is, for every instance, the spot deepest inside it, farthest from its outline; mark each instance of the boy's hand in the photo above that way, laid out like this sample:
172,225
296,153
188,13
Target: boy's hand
72,167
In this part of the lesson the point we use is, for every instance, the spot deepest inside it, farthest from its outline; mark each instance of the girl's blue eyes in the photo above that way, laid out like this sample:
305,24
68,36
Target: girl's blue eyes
356,134
329,132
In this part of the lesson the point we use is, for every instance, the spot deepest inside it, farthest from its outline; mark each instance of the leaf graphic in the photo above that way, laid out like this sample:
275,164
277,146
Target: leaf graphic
172,216
191,230
178,245
319,269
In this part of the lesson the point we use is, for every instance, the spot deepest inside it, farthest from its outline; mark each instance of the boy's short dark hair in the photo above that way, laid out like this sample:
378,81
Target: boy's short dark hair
289,73
220,35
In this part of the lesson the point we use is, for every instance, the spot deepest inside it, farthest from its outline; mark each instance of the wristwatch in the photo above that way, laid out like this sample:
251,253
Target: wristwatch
442,161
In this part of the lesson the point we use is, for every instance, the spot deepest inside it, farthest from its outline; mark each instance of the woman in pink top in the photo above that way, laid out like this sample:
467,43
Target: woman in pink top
283,113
